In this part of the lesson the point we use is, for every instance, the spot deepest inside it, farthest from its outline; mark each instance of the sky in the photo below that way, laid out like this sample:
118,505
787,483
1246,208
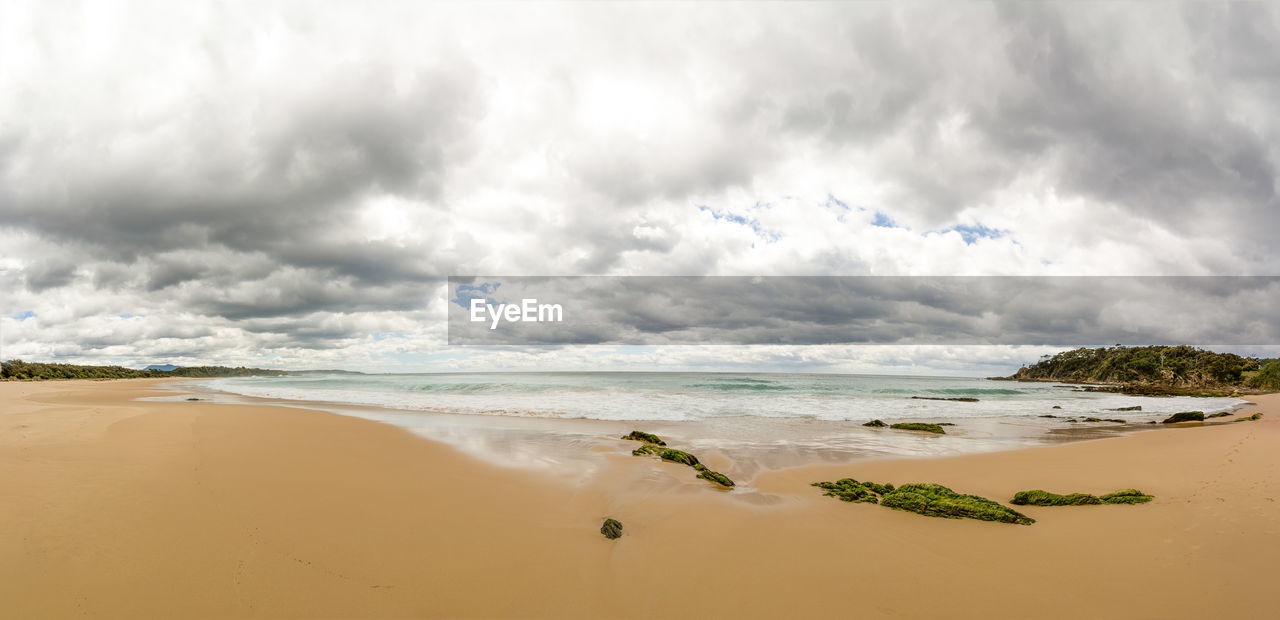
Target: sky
289,184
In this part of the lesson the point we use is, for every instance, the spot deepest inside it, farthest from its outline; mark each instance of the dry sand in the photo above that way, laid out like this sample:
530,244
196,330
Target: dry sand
114,507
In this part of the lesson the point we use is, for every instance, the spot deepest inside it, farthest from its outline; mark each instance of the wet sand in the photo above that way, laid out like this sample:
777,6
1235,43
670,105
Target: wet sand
116,507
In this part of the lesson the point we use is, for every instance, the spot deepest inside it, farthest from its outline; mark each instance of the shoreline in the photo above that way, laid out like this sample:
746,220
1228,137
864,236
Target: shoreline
123,507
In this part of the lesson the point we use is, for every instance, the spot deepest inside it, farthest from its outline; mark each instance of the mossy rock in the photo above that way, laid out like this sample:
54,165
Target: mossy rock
715,476
1220,414
1251,418
611,529
1056,407
645,437
875,424
646,449
848,490
1044,498
1185,416
1127,496
1133,408
678,456
878,488
919,426
935,500
1093,419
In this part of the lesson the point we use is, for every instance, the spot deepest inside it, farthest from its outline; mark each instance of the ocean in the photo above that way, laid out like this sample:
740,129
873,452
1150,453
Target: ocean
757,420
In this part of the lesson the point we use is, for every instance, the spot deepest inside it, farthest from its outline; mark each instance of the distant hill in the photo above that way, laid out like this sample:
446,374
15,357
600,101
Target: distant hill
1156,370
162,367
33,371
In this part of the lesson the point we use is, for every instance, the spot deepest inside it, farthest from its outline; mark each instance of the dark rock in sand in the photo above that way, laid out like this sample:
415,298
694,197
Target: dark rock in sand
1133,408
875,424
611,529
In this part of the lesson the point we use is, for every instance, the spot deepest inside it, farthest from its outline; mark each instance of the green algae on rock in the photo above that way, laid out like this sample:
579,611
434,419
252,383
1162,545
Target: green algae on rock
849,490
1037,497
1185,416
713,476
919,426
875,424
935,500
1256,416
611,529
645,437
1126,496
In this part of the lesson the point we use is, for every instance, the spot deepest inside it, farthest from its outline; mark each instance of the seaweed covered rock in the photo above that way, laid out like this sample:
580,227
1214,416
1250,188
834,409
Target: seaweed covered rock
645,437
646,449
848,490
678,456
878,488
1185,416
1044,498
611,529
1133,408
1220,414
1127,496
919,426
935,500
875,424
1251,418
713,476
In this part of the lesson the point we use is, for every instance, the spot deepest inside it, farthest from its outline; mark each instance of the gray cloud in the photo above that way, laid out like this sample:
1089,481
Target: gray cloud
302,177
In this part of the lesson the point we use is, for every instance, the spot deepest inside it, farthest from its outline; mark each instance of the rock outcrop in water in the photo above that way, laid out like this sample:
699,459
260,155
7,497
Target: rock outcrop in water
655,448
959,400
1184,416
919,426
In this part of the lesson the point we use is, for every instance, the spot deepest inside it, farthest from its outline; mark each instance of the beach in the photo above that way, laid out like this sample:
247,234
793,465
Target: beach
116,507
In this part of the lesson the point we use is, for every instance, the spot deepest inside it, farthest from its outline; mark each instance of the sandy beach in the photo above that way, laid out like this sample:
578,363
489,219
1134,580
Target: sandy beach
113,507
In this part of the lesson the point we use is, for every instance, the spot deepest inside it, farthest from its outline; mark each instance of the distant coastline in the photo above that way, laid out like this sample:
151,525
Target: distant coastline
1156,371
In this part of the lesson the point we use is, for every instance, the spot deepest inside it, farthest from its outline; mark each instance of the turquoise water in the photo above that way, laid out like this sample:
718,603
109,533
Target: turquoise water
709,396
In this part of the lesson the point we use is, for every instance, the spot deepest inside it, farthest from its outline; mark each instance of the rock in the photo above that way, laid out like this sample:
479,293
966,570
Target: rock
1127,496
875,424
193,399
1220,414
1056,407
935,500
715,476
1133,408
1045,498
646,449
1256,416
1185,416
848,490
645,437
918,426
611,529
678,456
959,400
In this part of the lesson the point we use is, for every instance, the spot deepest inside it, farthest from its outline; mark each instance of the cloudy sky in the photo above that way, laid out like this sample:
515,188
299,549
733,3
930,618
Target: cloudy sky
289,185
